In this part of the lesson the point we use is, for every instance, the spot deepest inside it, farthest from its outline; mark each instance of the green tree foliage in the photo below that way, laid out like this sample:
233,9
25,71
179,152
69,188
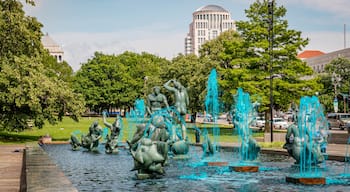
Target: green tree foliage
27,91
60,70
341,68
249,67
20,34
117,81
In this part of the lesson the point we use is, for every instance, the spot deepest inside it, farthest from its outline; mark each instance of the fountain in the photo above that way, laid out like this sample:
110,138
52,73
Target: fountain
309,134
212,108
244,115
164,132
161,139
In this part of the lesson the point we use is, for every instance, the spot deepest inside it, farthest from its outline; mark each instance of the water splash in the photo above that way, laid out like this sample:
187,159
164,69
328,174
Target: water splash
170,118
212,105
135,116
104,134
245,114
201,176
313,129
140,108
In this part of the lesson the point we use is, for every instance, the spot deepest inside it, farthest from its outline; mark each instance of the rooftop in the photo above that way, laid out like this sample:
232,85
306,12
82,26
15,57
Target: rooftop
309,53
211,8
50,44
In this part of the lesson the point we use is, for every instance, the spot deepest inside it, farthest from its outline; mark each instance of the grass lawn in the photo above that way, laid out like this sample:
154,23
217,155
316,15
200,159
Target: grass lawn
62,131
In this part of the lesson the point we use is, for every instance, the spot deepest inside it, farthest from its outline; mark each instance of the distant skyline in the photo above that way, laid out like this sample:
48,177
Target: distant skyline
159,27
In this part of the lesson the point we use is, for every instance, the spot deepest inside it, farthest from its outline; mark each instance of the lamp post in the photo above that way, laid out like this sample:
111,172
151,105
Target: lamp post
144,86
270,14
335,80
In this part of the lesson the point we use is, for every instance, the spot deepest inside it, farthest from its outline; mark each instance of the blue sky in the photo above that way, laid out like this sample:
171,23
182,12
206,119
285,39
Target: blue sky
82,27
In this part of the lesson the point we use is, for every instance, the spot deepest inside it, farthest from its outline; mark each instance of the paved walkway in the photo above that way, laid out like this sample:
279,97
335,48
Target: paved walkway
11,158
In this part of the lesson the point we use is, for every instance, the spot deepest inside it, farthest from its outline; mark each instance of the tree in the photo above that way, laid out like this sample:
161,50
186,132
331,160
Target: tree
339,67
249,67
110,81
27,92
60,70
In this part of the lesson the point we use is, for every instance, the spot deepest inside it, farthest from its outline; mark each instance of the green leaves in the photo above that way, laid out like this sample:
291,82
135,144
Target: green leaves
117,81
33,85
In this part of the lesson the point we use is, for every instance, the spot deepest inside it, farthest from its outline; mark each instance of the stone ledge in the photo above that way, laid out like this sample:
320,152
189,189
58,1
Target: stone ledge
42,174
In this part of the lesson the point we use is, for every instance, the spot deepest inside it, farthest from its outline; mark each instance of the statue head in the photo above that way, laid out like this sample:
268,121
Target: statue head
156,90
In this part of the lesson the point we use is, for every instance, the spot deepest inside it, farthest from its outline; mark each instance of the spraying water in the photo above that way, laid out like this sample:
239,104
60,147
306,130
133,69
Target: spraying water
135,117
244,115
212,105
313,130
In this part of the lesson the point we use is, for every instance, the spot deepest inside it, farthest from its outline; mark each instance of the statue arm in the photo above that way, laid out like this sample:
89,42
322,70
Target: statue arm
105,121
168,87
187,99
148,106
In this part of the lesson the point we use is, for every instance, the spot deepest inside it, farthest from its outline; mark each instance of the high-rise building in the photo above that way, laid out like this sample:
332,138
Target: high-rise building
208,22
53,48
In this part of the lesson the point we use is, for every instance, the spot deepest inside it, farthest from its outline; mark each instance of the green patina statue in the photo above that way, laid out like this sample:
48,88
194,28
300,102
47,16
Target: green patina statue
89,141
151,142
149,148
296,144
156,101
112,139
181,100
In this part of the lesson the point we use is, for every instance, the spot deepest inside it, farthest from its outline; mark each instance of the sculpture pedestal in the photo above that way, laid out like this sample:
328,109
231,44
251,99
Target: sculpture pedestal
247,168
306,180
216,163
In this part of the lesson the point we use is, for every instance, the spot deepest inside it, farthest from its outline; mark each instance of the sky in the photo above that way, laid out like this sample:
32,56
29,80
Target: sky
82,27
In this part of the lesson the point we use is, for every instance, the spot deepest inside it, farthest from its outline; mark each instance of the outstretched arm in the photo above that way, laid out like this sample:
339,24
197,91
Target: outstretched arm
187,98
148,106
168,87
105,121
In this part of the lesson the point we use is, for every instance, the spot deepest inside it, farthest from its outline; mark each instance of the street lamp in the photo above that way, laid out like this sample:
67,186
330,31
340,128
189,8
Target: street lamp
144,86
336,81
270,13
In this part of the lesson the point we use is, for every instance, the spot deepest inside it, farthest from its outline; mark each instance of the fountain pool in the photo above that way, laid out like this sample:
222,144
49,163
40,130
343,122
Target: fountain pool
90,171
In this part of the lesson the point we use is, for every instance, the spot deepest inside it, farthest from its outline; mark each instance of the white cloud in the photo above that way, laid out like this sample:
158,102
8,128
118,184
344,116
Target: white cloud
79,47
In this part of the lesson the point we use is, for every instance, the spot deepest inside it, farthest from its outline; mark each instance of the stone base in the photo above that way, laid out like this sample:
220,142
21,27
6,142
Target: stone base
181,157
216,163
247,168
307,180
